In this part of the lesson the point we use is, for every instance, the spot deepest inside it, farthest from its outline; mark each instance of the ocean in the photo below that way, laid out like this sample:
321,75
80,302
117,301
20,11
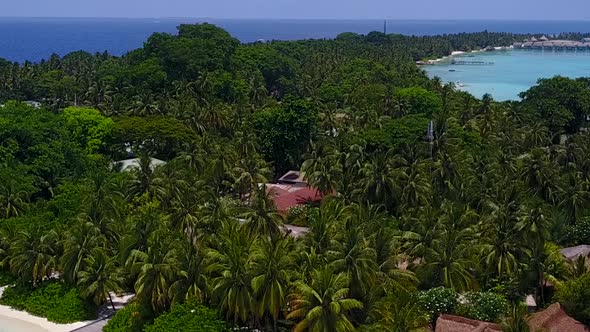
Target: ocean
33,39
511,72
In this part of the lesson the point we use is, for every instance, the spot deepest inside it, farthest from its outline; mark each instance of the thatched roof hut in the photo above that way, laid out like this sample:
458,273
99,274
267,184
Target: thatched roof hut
554,319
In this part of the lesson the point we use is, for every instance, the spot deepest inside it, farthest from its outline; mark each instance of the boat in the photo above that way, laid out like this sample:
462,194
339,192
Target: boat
452,70
459,84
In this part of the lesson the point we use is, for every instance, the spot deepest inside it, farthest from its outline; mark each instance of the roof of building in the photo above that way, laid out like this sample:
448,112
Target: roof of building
128,164
543,38
533,39
292,177
554,319
572,253
286,196
451,323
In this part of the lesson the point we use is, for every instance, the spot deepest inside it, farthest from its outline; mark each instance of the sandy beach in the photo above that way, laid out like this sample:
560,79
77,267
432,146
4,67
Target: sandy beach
21,321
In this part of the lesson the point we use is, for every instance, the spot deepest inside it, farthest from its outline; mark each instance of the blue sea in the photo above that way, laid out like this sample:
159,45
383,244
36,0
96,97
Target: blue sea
512,71
34,39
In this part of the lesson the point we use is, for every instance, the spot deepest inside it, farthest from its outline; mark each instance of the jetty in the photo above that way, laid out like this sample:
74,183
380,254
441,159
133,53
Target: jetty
471,62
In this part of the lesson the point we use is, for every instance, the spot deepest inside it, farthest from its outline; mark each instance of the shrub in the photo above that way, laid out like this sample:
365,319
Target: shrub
299,215
578,233
437,301
188,317
484,306
52,300
16,296
6,278
574,296
127,319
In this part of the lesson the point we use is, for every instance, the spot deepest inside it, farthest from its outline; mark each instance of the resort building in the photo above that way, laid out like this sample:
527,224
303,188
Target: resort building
292,190
545,43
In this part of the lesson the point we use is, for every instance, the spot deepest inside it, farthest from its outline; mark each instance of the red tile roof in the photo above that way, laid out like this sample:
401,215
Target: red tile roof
286,196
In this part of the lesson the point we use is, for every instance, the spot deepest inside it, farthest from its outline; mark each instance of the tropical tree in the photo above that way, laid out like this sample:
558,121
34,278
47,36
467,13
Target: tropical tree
100,277
157,269
231,274
34,255
324,305
261,216
273,269
79,242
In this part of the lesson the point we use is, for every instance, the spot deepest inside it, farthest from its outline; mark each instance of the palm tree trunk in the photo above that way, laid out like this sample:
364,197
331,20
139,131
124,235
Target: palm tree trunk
112,304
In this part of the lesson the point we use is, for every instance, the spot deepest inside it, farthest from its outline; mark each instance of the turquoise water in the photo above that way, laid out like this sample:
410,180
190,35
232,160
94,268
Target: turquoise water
513,71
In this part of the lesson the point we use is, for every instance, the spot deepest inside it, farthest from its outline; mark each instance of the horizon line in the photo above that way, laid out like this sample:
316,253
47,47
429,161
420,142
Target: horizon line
296,19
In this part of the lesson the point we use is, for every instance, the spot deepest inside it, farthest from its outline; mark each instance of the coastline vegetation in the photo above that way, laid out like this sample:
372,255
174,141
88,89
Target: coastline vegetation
477,207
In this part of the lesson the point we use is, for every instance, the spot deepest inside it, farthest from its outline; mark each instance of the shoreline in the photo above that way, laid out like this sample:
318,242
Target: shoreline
459,54
44,325
41,322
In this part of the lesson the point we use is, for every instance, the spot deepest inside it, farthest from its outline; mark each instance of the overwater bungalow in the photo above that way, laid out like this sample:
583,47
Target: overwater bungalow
555,45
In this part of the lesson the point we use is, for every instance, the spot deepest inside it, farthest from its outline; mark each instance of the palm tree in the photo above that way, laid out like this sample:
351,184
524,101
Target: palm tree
378,183
261,215
272,272
354,257
324,305
231,277
503,245
144,177
575,197
12,200
99,277
249,172
192,282
322,222
516,320
157,270
399,312
78,244
450,260
34,255
321,168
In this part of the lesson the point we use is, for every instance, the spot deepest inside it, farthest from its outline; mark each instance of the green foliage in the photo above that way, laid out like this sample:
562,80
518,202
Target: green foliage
89,126
39,140
417,100
579,233
284,132
127,319
574,296
6,278
437,301
52,300
560,102
406,131
188,317
162,137
484,306
299,215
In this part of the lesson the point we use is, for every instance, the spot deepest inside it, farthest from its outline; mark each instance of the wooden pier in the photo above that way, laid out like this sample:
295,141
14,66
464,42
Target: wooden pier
471,62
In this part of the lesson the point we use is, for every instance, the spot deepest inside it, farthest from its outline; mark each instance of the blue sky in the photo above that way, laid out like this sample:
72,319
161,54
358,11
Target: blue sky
337,9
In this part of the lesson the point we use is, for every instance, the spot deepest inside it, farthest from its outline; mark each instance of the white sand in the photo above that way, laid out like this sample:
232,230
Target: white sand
13,317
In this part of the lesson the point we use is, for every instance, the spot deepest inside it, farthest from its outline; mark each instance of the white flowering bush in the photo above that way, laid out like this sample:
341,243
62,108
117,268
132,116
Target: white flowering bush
437,301
484,306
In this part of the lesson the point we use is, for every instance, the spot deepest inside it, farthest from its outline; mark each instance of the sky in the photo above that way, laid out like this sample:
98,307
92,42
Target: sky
277,9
